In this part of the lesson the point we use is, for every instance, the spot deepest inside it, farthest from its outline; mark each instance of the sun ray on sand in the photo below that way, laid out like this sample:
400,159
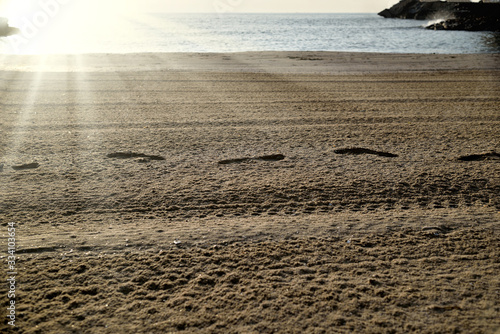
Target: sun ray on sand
19,146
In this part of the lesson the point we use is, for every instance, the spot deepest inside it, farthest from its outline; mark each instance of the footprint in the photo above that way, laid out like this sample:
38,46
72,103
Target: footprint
37,250
480,157
32,165
130,155
233,161
360,150
272,157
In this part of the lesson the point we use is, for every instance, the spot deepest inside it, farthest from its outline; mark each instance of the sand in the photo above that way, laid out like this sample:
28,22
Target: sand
275,192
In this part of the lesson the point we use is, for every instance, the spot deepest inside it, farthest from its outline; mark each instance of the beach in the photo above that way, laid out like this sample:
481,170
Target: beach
254,192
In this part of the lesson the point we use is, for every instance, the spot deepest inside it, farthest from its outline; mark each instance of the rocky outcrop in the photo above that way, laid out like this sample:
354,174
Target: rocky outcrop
5,30
471,24
455,15
414,9
4,26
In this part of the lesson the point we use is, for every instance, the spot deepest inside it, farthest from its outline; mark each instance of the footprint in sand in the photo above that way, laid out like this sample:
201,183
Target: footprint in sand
273,157
32,165
480,157
360,150
141,157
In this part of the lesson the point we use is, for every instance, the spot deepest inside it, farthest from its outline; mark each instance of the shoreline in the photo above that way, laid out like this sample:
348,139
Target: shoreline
313,62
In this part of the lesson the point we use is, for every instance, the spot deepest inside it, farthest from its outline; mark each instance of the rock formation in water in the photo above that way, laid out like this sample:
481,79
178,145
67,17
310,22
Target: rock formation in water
5,30
482,16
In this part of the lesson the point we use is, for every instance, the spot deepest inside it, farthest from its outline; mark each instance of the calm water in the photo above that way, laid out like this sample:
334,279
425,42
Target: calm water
246,32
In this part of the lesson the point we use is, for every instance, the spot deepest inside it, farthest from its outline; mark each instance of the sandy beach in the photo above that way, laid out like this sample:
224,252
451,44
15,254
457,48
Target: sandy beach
259,192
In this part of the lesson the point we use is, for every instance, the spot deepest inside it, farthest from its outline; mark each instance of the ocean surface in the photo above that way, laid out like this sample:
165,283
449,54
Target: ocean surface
240,32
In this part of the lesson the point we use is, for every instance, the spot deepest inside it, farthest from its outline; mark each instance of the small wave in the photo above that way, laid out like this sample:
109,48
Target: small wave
433,22
440,17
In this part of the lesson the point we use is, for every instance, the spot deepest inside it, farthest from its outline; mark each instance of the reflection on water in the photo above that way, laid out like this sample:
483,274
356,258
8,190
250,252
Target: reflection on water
94,33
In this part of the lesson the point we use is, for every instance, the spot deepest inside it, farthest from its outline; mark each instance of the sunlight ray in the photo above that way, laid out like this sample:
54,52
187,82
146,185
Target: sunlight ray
20,146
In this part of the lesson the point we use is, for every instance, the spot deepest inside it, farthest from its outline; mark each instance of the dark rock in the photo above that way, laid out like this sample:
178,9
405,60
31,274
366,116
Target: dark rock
468,24
5,30
387,14
4,26
456,15
414,9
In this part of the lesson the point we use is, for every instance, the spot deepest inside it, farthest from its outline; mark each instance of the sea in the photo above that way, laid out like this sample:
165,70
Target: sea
231,32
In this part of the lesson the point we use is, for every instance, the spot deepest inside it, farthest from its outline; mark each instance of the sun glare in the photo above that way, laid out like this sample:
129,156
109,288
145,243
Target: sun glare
58,26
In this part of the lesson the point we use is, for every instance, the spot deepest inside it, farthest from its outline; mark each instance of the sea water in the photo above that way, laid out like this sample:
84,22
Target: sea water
246,32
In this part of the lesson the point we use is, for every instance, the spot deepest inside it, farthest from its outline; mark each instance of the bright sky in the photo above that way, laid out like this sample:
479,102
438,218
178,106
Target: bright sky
271,5
10,7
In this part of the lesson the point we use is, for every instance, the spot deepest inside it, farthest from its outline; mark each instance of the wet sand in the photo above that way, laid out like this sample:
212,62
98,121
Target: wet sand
269,192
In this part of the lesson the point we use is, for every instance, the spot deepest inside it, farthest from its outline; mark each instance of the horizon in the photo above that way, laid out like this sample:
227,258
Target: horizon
13,10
